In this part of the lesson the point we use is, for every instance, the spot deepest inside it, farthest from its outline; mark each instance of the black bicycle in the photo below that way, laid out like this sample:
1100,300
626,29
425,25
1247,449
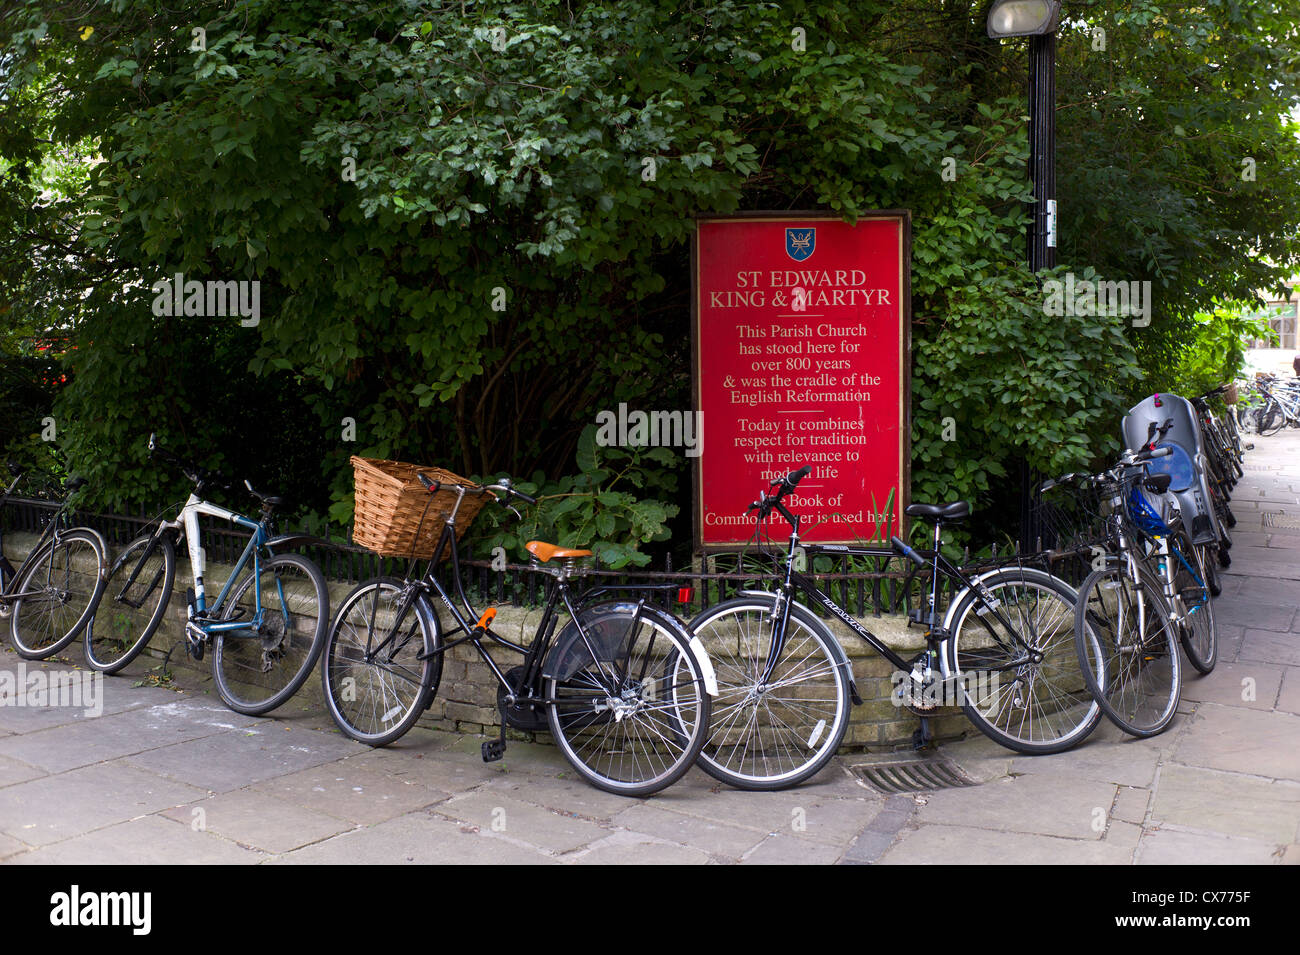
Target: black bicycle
1003,651
619,684
51,596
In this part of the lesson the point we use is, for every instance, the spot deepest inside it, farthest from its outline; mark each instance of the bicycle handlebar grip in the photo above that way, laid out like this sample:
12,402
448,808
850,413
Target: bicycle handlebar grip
907,552
1150,453
527,499
428,482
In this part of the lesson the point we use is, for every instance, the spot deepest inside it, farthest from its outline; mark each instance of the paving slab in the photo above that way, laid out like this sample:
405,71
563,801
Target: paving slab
1055,805
119,734
1288,697
566,796
1194,798
1246,683
536,758
16,771
980,758
356,791
1168,846
519,821
802,812
716,838
232,759
150,840
9,846
633,848
1261,616
417,839
257,820
784,849
1243,741
1122,835
963,845
1109,756
1131,805
1230,640
1267,646
53,808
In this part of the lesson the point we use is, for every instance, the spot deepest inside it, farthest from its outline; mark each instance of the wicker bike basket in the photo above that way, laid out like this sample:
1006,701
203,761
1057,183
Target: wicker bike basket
390,502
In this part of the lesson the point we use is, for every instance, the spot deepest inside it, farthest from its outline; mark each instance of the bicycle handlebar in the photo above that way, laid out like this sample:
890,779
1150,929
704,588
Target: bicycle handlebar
505,487
767,502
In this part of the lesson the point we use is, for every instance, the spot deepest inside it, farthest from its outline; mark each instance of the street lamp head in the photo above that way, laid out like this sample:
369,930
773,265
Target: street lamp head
1024,17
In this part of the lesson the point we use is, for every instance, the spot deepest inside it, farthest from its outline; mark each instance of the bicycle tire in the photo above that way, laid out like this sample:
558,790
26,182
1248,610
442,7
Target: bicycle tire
254,675
1198,633
118,632
753,746
40,625
368,708
622,731
1137,680
1048,707
1270,419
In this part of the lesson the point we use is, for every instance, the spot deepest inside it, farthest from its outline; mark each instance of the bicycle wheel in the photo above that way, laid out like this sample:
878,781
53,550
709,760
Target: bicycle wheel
57,593
136,595
612,715
1270,419
1131,662
1018,677
778,733
1197,629
376,687
259,668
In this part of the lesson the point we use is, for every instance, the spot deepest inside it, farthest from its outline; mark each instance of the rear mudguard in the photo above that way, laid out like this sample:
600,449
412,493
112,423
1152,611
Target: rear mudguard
570,650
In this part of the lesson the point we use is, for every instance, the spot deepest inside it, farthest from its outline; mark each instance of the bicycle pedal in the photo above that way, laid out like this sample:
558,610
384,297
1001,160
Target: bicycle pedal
493,750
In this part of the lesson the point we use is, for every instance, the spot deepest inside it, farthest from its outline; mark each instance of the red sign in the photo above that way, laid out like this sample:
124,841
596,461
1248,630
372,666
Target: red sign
802,356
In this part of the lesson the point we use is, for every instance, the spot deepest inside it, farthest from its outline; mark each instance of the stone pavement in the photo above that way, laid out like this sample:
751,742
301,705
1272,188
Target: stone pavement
168,776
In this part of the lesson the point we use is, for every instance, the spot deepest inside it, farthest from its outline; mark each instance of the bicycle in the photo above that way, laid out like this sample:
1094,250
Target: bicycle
1280,407
1128,616
785,683
50,597
621,687
266,627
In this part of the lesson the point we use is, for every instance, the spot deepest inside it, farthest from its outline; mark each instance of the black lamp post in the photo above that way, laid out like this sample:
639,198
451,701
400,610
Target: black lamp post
1038,20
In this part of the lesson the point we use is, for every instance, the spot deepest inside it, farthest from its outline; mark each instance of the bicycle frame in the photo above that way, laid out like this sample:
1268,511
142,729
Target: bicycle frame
937,633
186,525
534,654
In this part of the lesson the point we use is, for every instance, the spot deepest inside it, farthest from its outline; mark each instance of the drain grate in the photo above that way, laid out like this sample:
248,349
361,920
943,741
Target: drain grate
911,775
1281,521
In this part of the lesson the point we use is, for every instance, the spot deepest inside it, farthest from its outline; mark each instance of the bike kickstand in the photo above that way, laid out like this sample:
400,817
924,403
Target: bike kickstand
922,738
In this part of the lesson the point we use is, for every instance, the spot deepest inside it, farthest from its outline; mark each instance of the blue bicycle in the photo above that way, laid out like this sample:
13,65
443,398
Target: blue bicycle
267,626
